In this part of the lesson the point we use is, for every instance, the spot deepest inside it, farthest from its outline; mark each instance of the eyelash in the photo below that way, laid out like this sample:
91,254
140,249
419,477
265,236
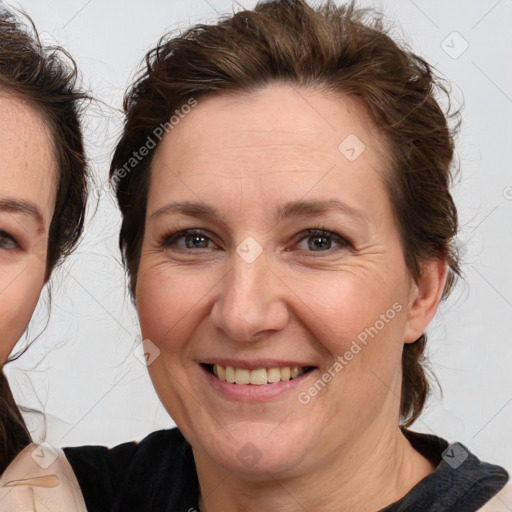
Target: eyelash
170,239
6,236
322,232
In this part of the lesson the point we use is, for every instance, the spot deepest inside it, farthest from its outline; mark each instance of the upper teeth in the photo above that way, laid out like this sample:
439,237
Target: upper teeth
257,377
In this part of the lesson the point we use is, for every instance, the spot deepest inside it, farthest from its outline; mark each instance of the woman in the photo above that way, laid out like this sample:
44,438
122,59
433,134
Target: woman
283,178
43,195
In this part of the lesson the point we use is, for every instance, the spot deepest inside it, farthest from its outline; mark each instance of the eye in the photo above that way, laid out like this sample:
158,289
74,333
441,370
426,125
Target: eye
188,239
320,240
7,241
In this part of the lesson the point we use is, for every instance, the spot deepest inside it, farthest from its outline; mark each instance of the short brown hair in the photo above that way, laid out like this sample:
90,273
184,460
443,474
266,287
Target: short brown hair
337,48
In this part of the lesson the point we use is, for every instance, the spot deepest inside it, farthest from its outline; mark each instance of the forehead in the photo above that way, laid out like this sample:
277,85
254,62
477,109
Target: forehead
27,161
279,113
280,132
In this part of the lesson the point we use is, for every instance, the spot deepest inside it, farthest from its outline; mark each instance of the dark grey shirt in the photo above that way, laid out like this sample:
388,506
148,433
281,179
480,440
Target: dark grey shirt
159,475
460,482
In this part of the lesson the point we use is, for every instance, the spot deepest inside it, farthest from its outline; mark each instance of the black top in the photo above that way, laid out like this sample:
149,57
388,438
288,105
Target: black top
158,475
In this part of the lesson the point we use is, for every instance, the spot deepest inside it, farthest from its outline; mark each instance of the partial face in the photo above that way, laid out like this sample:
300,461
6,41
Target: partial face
27,182
271,258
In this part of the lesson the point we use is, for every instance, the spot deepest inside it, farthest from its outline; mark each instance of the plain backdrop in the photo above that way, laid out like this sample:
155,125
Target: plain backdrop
82,370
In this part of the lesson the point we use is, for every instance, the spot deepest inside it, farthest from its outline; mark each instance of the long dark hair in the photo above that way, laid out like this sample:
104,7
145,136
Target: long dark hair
46,78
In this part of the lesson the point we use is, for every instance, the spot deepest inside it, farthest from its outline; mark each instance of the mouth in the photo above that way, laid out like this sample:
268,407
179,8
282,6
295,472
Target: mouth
257,376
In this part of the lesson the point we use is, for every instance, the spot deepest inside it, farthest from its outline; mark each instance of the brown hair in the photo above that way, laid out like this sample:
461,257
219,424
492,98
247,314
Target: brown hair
338,49
46,77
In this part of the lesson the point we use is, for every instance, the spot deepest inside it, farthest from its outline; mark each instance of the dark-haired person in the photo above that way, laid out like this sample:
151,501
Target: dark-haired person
43,192
288,241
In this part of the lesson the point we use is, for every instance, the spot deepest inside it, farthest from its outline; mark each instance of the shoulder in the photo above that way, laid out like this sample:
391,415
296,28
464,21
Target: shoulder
156,444
106,474
40,477
502,502
460,481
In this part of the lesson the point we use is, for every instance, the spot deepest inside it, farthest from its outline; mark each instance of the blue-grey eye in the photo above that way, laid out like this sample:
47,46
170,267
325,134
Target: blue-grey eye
7,241
187,239
196,241
319,242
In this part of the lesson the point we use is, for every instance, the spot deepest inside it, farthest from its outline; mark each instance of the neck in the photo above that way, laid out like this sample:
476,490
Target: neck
374,471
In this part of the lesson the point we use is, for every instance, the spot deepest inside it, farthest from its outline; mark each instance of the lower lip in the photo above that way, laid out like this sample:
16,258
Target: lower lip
251,392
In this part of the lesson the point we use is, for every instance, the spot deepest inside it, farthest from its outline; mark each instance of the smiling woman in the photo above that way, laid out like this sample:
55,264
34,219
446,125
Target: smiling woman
288,242
42,203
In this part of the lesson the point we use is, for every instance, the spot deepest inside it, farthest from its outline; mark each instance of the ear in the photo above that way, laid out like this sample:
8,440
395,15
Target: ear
425,296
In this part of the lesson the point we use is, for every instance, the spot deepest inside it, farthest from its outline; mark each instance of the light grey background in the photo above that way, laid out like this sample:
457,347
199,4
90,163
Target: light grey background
81,370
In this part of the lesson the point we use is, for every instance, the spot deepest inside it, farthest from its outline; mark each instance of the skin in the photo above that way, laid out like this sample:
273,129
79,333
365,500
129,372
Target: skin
246,156
27,199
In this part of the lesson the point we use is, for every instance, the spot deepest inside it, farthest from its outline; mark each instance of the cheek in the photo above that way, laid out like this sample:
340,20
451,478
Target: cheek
168,300
340,306
358,320
170,304
21,291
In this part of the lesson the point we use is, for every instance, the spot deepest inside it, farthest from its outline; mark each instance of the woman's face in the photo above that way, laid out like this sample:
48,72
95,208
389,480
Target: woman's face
27,197
270,248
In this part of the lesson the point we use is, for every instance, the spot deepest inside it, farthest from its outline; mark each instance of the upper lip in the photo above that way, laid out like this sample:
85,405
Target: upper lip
254,364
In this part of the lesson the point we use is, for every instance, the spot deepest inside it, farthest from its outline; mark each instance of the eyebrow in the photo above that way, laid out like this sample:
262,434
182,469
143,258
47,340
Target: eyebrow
186,208
320,207
21,207
301,208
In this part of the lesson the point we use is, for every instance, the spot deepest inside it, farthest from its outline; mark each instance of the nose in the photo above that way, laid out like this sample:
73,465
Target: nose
251,303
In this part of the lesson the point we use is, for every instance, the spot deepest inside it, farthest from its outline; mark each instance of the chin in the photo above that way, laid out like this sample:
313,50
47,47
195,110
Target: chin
257,449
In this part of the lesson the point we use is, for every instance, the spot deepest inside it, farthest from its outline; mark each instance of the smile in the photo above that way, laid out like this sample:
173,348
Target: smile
256,377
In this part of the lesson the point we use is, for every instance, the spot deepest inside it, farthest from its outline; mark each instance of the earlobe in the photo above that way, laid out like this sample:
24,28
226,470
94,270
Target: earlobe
426,295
